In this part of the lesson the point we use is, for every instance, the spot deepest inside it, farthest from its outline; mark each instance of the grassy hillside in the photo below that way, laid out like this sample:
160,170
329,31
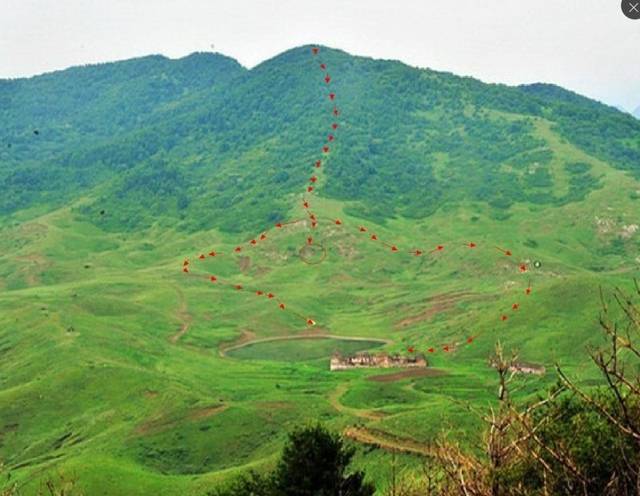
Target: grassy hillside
112,361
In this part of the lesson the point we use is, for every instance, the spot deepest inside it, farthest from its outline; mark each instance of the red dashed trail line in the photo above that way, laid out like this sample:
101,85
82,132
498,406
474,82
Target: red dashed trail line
312,220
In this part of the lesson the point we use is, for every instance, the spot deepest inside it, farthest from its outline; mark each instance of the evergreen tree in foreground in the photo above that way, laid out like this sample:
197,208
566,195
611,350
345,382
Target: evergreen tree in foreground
314,462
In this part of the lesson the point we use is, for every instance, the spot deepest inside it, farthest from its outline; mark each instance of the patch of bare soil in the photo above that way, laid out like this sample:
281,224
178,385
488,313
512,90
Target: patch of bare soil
206,412
262,270
341,278
33,264
406,374
267,410
437,304
244,263
161,423
275,405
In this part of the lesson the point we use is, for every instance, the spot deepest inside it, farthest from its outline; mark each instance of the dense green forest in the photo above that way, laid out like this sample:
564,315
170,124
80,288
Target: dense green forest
197,137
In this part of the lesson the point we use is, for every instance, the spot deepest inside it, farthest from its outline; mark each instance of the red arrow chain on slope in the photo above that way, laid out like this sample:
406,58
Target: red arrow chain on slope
313,220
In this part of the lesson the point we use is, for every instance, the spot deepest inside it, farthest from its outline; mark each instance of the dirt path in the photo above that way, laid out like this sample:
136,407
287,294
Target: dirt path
334,401
183,314
387,441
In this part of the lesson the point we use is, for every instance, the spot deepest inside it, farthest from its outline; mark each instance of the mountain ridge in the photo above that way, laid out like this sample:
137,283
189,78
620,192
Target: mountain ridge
154,112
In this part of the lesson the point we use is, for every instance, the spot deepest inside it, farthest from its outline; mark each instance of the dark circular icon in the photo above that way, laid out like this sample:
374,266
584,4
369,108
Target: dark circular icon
537,264
631,8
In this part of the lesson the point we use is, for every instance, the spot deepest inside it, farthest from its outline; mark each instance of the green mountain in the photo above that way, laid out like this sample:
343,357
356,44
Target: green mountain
114,364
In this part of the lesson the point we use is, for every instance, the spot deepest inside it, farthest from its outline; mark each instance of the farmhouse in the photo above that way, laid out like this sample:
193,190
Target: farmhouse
379,360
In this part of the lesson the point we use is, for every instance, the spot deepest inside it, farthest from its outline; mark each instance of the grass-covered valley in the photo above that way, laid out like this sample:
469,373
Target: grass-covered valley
118,368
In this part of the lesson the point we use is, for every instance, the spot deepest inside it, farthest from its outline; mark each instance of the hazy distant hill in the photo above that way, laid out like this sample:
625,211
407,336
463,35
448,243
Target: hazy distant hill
636,112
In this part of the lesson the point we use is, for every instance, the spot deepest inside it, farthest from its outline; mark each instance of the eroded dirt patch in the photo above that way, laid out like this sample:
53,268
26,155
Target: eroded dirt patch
206,412
244,263
31,266
161,423
437,304
406,374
